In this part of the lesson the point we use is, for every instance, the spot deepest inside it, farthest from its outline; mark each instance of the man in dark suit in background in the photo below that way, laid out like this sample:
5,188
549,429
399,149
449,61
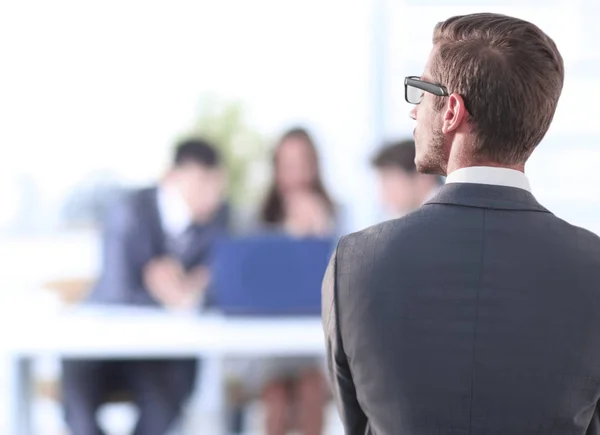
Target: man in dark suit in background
155,246
478,313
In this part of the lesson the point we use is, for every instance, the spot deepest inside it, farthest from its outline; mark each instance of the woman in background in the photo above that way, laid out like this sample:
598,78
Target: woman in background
298,204
297,201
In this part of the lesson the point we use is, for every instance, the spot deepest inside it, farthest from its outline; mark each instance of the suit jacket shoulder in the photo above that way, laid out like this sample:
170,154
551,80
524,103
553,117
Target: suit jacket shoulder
477,311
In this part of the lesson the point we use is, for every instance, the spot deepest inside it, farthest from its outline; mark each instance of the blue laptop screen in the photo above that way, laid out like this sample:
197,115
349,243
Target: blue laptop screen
269,274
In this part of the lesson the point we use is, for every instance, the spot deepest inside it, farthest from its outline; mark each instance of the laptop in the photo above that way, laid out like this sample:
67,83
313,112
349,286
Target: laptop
269,275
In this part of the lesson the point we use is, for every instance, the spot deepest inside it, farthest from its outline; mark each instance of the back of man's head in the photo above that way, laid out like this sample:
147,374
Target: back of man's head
510,75
196,151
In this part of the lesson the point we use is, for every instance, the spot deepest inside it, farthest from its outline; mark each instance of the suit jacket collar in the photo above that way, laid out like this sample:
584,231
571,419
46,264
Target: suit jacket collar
487,196
149,213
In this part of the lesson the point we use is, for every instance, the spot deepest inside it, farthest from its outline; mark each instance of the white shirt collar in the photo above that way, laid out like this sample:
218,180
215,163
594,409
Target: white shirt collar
490,175
175,215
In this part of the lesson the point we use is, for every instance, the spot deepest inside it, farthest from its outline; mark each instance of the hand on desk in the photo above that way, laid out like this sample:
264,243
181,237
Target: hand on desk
168,283
307,215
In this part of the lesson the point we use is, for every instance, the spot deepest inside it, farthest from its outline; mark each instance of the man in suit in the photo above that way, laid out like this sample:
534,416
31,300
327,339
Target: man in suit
401,188
155,247
478,313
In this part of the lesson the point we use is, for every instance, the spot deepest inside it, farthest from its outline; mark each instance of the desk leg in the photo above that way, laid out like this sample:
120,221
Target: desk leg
208,411
221,395
20,414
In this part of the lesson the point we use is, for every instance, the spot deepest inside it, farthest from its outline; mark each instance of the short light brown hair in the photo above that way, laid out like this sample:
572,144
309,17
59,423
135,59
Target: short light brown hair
510,75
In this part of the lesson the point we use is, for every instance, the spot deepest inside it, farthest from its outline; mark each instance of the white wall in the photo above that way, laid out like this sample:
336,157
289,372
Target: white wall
110,85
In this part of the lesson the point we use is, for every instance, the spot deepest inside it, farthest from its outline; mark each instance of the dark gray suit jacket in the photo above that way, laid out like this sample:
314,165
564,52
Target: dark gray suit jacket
477,314
133,236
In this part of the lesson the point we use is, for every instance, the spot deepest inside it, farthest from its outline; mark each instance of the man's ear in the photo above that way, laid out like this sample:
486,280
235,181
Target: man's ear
454,114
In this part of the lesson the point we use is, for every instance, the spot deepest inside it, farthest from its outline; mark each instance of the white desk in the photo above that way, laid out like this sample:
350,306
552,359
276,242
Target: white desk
101,332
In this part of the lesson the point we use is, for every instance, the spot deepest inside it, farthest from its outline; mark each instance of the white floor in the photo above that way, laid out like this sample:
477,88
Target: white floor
119,419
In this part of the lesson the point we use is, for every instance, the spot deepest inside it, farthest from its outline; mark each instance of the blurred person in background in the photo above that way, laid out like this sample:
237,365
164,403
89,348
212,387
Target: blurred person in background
155,245
297,203
401,188
477,313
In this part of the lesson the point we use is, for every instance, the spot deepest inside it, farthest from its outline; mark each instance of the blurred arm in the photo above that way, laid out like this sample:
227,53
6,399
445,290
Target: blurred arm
166,280
344,391
121,269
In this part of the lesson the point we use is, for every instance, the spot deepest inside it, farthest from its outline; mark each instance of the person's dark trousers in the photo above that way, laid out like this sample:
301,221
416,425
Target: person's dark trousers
159,388
237,419
236,406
